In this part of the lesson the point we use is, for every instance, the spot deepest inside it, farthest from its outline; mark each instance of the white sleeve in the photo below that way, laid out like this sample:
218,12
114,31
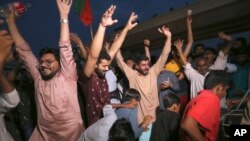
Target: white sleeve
230,68
190,72
220,62
9,100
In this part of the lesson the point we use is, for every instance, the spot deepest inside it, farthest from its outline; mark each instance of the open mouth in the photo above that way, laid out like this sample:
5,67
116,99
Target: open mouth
45,71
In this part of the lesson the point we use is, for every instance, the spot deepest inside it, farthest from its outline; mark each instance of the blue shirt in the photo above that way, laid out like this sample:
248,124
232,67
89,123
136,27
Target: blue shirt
131,116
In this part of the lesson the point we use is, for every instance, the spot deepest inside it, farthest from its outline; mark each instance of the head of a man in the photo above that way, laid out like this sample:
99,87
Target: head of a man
240,42
218,81
132,95
210,54
49,63
202,65
142,64
121,130
172,102
102,64
130,62
199,49
241,56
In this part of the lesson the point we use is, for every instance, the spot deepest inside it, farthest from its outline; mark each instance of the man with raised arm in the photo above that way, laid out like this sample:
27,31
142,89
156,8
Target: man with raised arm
9,97
197,76
144,79
55,79
93,80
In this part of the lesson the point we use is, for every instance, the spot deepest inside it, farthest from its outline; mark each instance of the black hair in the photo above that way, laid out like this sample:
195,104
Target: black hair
242,40
172,53
170,99
211,50
140,58
131,94
216,77
199,45
103,55
121,130
53,51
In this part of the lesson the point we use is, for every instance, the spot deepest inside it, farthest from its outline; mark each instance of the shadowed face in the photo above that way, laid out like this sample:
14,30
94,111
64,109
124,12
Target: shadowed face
199,50
210,56
221,90
241,59
202,66
143,67
48,66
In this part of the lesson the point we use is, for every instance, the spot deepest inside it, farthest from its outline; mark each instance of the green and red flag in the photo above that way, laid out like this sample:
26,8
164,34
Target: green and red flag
83,10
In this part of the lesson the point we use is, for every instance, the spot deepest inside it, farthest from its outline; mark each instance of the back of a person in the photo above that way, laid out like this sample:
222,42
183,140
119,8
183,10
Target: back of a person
165,127
121,130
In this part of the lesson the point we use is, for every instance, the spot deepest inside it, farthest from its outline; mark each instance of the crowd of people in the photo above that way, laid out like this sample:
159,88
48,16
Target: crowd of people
105,93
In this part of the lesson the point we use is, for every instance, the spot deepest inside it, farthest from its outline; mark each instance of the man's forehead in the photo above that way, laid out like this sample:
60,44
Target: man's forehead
47,56
105,61
201,62
144,62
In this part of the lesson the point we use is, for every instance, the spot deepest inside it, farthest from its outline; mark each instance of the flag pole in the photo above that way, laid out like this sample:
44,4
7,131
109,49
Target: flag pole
91,31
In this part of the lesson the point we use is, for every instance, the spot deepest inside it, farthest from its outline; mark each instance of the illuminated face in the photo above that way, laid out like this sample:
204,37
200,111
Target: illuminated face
143,67
48,66
102,67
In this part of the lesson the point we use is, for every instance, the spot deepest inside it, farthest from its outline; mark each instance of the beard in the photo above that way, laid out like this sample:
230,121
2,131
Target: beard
100,73
47,75
143,72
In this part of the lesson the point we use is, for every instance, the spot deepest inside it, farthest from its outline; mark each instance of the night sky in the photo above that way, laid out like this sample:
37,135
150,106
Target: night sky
40,24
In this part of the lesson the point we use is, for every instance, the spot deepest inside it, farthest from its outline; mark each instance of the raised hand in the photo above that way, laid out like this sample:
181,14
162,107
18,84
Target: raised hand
166,85
75,39
165,30
178,44
224,36
64,7
189,20
146,42
131,21
107,17
12,15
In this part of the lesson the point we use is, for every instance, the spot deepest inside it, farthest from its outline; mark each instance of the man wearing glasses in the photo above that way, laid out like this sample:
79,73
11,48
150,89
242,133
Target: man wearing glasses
55,79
